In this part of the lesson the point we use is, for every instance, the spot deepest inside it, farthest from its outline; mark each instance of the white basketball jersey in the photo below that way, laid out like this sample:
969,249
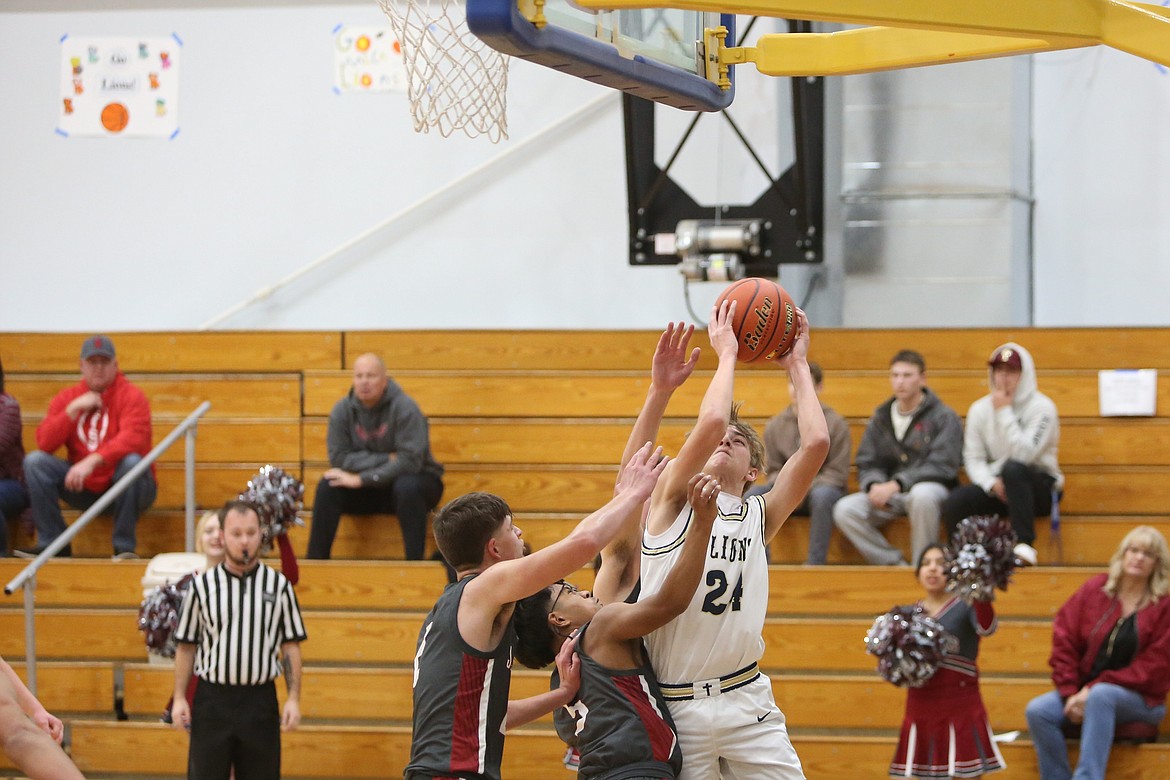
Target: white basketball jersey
721,630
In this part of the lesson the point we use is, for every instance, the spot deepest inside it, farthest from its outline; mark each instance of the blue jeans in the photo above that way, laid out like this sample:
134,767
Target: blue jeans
45,475
1107,705
13,501
818,506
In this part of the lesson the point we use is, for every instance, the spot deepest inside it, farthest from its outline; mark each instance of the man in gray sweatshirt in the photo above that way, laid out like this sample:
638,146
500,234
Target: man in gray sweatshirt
907,463
1009,451
380,453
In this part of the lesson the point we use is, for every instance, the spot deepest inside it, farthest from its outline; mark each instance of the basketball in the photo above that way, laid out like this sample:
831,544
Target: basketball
765,319
115,117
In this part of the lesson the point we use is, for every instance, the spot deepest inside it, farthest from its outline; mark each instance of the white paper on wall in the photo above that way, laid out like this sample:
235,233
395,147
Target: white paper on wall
119,87
367,59
1128,392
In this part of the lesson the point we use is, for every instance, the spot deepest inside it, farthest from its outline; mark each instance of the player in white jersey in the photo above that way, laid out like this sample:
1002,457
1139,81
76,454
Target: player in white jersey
727,719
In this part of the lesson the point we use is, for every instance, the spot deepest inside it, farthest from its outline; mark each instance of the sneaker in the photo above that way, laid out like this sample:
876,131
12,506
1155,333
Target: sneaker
32,552
1025,554
125,555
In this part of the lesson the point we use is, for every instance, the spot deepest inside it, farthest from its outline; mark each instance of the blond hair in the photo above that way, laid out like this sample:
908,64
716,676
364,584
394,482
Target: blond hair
1151,540
201,526
755,443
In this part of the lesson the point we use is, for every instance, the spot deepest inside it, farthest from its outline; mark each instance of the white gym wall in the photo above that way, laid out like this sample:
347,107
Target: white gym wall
272,171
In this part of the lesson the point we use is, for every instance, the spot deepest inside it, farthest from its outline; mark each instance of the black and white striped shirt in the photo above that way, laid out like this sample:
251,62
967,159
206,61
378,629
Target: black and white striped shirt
239,624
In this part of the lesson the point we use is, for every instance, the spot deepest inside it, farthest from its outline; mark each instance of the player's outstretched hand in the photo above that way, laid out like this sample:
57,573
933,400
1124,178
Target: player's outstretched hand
641,473
721,330
671,365
702,495
569,667
799,349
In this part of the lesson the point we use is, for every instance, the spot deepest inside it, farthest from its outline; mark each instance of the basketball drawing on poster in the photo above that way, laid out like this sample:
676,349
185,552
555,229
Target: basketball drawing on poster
119,87
367,59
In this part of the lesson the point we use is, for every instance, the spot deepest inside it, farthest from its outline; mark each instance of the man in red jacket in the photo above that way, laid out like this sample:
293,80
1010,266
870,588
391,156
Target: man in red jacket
104,424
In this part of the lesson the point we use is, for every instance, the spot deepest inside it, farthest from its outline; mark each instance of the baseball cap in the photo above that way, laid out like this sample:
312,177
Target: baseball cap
1006,357
97,345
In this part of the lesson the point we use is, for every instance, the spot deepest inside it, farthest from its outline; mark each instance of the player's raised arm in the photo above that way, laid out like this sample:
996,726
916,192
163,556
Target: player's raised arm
619,621
795,478
672,365
710,426
511,580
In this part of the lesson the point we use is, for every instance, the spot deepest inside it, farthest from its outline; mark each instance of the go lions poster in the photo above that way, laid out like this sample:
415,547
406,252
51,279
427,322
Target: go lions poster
367,59
119,87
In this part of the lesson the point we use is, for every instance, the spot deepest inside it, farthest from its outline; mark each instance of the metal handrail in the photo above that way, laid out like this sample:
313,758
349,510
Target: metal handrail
27,576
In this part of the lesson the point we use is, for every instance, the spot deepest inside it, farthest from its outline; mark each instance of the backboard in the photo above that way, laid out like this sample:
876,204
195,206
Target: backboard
656,54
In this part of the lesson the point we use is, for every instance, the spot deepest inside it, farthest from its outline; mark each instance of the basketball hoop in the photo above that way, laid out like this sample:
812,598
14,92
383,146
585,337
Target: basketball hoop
455,81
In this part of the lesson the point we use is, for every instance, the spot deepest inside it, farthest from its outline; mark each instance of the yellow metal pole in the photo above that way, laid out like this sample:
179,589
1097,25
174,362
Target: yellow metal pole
871,49
1138,28
1027,18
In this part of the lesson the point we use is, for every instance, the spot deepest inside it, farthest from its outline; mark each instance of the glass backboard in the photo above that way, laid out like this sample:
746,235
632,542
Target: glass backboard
653,53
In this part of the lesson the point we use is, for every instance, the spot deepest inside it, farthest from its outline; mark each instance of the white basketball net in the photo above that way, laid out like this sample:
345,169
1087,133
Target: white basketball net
455,81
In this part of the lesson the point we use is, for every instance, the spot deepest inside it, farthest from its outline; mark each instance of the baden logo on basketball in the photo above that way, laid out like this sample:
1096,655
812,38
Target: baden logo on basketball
764,323
752,339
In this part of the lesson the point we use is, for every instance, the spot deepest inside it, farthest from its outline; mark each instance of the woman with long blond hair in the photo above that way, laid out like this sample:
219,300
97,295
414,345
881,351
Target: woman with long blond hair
1110,658
209,539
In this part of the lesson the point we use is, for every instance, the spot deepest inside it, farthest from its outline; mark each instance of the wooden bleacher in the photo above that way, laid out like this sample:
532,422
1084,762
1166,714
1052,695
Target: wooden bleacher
539,418
357,680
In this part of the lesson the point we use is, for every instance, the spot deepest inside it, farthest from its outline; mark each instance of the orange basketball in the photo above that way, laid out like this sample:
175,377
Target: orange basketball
114,117
765,319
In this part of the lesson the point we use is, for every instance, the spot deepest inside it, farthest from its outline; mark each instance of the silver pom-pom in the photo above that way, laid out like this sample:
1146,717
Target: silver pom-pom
158,617
980,558
278,497
909,644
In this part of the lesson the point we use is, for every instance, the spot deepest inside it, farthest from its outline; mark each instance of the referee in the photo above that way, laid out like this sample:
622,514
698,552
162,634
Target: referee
235,622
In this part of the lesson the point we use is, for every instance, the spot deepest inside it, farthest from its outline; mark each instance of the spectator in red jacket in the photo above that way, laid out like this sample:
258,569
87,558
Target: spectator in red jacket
13,494
104,424
1110,658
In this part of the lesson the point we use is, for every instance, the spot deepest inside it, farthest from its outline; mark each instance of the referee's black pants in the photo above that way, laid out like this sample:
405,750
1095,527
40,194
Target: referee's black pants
234,725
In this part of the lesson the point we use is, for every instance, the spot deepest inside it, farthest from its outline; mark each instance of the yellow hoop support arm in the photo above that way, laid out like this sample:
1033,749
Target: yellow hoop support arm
1137,28
871,49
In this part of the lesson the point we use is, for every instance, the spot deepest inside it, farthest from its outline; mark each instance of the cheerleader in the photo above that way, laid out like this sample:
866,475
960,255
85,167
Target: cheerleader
946,732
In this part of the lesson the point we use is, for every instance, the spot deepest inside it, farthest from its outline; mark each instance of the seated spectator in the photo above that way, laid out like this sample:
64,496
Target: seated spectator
781,442
1009,451
1110,658
209,540
28,733
907,462
104,424
13,493
380,453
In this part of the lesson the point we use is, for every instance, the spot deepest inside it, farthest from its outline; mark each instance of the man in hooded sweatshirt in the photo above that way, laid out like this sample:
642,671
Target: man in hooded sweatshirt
380,453
1009,451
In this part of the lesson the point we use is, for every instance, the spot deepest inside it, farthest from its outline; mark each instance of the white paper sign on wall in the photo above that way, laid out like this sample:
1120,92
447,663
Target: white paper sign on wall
119,87
1128,392
367,59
